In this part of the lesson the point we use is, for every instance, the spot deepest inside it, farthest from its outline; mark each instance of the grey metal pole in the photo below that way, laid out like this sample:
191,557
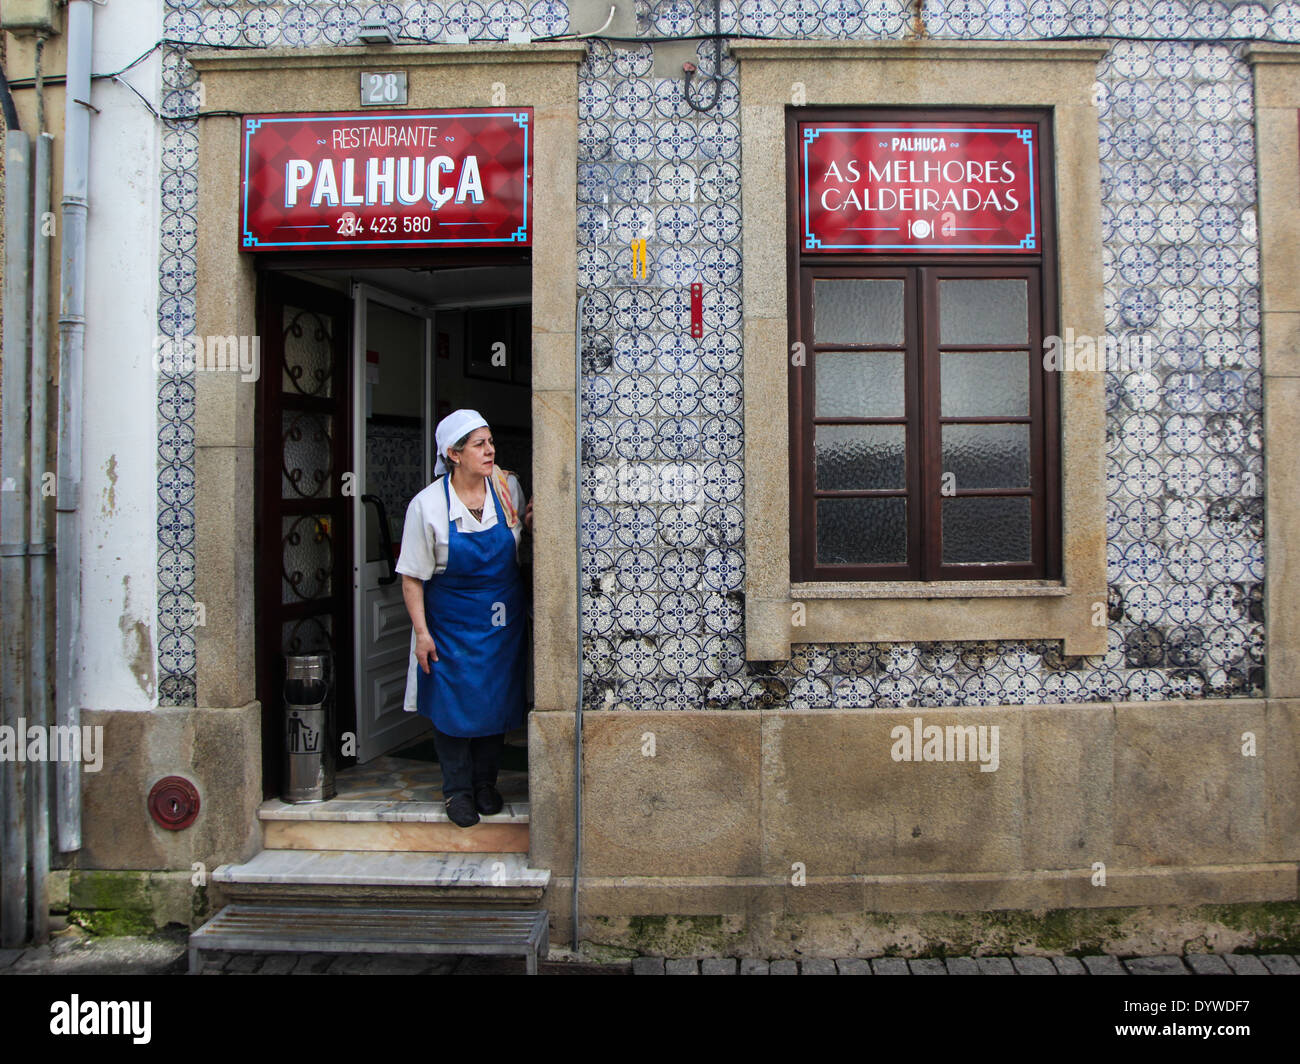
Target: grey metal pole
72,347
38,546
577,536
13,531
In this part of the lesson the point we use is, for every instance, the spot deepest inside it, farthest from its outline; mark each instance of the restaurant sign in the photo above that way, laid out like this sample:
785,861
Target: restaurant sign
918,186
400,179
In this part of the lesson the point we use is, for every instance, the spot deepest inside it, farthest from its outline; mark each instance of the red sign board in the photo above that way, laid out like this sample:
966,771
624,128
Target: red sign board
400,179
918,186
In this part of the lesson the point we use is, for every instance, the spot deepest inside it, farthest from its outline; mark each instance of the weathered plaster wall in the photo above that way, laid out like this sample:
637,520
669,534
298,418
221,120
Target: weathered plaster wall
117,663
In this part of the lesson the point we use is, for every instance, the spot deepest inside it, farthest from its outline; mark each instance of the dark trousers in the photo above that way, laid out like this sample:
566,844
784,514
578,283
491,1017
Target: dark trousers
466,763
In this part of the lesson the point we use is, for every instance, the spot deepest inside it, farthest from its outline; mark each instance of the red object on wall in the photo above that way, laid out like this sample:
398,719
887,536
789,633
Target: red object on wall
919,186
697,310
397,179
174,803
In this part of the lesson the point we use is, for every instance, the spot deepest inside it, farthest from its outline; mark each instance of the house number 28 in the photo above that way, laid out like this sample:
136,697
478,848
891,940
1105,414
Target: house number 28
383,89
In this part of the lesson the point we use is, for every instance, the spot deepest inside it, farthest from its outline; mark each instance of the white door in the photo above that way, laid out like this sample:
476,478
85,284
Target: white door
394,399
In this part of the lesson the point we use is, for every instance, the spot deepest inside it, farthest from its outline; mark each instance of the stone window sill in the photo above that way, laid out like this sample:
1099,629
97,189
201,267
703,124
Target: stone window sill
914,613
898,589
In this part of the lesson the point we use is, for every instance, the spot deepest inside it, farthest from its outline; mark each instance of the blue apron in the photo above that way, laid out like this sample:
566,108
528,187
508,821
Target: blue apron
476,687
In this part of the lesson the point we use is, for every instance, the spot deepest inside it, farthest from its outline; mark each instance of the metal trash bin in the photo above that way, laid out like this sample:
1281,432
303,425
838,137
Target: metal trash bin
308,759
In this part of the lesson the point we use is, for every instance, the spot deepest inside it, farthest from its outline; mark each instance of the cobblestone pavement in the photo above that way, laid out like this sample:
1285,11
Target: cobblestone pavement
74,953
1192,964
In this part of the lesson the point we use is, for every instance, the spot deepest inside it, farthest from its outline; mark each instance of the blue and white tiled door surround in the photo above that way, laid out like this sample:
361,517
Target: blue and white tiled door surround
663,624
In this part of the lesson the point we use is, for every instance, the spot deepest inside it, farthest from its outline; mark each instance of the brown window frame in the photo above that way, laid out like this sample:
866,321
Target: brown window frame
921,274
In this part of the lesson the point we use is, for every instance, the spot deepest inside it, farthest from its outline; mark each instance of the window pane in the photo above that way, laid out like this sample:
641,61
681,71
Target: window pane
860,457
308,352
858,311
307,460
307,558
984,311
986,530
986,456
861,531
984,383
859,384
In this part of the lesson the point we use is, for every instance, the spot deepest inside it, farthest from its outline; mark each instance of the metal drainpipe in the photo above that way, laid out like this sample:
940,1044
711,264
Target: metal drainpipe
577,527
72,347
13,530
38,546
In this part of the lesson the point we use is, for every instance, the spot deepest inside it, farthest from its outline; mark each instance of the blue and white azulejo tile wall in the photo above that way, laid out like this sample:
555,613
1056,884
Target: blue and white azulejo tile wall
663,614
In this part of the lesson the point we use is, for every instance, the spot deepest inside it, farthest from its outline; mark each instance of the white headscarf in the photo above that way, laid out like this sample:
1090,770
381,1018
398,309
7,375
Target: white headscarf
450,429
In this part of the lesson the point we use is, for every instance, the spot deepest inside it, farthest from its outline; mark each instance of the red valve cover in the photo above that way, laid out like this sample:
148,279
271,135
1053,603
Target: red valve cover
174,803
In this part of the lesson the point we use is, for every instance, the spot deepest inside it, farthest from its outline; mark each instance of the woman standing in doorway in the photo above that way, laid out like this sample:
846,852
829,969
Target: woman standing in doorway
463,591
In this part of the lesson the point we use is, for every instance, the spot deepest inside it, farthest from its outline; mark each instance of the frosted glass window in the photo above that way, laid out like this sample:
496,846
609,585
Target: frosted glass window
861,531
986,456
860,457
308,448
858,311
986,530
984,310
984,384
860,384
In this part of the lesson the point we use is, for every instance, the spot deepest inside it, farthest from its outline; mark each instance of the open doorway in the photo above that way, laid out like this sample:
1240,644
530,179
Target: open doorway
363,363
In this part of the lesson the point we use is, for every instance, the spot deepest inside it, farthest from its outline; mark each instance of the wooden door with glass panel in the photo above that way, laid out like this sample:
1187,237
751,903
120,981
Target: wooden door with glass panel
304,526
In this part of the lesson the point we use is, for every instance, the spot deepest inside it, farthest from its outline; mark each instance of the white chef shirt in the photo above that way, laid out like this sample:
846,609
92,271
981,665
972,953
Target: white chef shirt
426,537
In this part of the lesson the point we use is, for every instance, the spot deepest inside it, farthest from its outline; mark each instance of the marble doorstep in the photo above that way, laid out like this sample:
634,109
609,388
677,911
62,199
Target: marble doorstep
361,810
490,835
398,869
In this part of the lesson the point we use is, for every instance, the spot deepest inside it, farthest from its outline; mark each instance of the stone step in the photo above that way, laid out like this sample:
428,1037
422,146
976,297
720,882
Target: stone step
373,929
394,878
383,826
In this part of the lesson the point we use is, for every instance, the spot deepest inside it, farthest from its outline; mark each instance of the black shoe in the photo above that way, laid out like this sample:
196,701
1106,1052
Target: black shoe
460,810
487,799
